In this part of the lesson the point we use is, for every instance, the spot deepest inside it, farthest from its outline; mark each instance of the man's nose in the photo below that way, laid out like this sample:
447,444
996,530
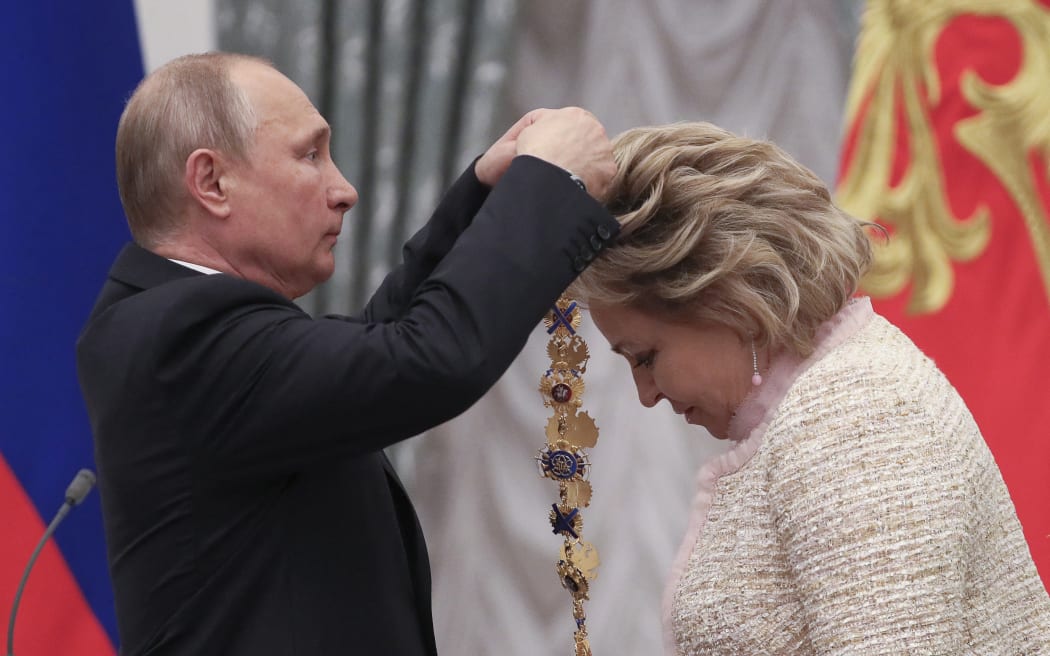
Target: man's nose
342,195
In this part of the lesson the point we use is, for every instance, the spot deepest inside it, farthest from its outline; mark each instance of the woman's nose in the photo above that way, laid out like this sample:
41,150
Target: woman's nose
648,393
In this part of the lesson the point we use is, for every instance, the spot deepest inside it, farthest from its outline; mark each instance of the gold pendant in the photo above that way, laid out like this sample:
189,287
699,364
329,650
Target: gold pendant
584,556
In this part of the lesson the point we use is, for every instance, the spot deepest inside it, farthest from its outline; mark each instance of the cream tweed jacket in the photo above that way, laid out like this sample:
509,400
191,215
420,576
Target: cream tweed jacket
860,512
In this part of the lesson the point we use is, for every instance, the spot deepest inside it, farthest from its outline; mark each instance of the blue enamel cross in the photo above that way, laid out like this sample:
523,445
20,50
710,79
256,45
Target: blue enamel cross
563,523
562,319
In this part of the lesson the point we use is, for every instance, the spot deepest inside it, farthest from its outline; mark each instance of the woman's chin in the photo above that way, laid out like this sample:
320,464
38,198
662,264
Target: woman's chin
718,432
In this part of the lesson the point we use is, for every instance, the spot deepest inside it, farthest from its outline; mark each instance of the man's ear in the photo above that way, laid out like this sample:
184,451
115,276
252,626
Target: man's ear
208,181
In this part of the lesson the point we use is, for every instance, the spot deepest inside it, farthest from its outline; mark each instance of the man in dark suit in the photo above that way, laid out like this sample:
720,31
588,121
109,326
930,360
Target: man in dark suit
248,506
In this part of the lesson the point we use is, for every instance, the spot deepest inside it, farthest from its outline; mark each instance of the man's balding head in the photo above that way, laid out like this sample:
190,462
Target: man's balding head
187,104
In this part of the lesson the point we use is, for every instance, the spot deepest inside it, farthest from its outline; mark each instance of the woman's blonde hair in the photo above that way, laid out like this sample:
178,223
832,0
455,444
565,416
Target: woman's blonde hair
728,230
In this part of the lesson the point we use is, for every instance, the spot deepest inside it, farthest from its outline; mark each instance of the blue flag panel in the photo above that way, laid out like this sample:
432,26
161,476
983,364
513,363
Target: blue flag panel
68,66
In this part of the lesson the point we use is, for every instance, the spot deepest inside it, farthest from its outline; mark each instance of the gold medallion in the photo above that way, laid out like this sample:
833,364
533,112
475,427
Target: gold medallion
584,556
562,390
580,431
563,319
576,494
573,580
568,353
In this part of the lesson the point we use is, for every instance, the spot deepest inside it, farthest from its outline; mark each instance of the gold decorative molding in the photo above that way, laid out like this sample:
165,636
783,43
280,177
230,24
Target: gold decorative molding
895,60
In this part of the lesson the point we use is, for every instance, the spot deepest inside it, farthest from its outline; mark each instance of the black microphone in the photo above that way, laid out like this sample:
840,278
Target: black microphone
75,493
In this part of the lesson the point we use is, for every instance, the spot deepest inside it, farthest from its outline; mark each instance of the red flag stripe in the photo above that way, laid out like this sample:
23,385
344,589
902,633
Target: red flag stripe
54,618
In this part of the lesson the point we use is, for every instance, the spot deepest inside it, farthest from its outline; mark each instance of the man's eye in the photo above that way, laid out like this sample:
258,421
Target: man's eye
312,155
645,360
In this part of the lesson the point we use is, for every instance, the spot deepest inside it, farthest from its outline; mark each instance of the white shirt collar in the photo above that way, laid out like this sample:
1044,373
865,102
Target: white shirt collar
195,267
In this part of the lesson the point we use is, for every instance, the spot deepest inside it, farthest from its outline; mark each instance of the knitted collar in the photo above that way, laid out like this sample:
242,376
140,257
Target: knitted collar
757,408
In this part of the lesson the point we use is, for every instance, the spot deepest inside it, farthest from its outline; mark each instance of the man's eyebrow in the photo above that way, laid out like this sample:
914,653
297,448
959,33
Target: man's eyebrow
320,132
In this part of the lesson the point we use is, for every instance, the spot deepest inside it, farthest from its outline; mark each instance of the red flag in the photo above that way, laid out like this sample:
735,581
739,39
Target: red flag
54,617
948,146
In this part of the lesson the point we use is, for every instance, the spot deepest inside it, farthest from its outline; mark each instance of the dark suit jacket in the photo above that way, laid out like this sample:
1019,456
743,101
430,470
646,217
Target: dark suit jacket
248,506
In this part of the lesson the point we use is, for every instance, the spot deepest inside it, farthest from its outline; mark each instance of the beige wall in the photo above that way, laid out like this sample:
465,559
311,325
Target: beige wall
169,29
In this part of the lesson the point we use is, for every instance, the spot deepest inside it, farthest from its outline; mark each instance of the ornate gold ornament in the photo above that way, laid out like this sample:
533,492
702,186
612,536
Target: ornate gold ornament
584,556
564,459
895,63
576,494
562,390
563,319
573,580
568,352
578,430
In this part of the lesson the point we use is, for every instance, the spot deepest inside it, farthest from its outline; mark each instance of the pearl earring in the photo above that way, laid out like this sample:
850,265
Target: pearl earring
756,378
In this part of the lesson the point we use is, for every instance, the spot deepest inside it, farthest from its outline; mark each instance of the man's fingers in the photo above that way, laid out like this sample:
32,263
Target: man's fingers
525,121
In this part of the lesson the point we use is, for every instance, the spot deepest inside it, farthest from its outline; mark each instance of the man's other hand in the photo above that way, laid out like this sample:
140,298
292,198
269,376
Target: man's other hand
491,166
573,139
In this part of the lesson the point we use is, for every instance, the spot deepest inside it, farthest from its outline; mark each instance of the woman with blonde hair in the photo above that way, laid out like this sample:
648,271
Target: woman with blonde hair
859,509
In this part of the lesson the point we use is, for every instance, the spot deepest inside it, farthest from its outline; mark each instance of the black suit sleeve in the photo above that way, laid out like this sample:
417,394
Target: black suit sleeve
427,247
268,390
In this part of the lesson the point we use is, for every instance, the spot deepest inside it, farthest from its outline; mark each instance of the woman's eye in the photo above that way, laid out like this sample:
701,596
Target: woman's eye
645,360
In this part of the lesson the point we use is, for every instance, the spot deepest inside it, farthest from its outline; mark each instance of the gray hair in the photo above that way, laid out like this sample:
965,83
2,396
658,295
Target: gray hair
188,103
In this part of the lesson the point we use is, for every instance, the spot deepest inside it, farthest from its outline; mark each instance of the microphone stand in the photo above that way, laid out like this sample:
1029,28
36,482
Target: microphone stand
75,493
